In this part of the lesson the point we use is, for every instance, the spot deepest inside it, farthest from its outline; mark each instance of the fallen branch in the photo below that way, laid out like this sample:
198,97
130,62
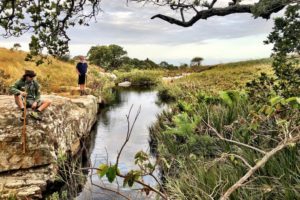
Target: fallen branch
258,165
233,141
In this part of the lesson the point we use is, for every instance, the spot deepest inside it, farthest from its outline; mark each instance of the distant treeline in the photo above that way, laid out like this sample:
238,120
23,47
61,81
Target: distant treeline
111,57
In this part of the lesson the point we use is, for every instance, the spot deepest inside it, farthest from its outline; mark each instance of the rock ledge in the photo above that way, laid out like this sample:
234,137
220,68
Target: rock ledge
64,124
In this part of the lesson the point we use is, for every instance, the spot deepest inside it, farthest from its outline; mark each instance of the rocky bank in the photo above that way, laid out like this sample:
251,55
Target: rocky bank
64,124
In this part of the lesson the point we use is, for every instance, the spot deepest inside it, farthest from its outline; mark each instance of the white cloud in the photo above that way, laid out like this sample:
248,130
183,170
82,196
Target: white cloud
213,51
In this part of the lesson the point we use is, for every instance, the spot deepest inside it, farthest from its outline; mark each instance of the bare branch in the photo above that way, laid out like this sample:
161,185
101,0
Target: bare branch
129,131
213,3
233,141
258,165
241,158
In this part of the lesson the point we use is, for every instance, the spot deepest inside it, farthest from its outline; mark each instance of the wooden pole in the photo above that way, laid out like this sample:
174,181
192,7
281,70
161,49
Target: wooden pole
24,127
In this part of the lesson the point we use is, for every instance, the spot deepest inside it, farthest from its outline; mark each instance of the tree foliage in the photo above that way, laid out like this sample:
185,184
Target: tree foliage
47,20
286,39
17,46
109,57
196,61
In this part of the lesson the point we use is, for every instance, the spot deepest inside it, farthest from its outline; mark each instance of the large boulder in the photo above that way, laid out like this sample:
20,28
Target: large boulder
64,123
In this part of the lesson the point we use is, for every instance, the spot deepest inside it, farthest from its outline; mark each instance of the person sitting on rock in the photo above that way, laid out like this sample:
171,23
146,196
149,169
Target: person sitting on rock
29,88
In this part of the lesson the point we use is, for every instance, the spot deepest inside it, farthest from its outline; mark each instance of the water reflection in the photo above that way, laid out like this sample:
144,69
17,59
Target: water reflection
111,133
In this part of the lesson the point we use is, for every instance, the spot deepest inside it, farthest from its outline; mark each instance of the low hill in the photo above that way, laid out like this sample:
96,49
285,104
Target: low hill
227,76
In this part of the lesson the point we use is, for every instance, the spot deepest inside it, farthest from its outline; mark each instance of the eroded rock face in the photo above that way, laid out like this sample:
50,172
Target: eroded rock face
64,123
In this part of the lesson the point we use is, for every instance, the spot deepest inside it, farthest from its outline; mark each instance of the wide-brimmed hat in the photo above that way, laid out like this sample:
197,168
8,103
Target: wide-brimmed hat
29,73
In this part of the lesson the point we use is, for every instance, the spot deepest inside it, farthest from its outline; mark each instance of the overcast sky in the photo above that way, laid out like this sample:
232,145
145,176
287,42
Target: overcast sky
217,40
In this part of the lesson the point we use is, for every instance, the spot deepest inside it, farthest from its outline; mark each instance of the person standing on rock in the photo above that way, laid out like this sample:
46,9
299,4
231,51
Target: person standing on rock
81,69
29,89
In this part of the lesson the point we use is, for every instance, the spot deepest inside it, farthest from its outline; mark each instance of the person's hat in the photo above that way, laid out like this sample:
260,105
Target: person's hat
29,73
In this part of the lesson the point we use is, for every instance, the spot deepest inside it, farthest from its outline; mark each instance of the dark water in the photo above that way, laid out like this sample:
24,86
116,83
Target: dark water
110,135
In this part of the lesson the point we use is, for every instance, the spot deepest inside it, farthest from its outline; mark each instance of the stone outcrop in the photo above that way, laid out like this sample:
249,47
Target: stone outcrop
64,123
125,84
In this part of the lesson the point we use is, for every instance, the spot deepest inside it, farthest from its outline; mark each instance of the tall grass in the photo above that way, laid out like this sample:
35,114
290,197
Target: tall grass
197,164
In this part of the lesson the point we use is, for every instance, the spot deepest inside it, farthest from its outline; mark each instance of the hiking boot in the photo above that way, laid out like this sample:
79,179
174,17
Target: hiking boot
36,115
81,92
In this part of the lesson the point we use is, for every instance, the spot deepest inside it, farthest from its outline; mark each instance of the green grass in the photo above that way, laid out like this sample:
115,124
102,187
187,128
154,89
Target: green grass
226,77
140,77
197,164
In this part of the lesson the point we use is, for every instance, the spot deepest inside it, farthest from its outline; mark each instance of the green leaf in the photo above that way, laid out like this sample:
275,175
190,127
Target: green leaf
131,181
102,170
294,101
140,157
226,98
111,173
269,110
125,182
131,177
150,166
275,100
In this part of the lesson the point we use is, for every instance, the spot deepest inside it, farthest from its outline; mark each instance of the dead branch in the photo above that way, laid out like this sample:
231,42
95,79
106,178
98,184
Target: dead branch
258,165
129,131
232,141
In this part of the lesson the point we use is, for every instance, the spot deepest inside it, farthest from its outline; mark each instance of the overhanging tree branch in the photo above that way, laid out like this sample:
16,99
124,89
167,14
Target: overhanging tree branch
263,9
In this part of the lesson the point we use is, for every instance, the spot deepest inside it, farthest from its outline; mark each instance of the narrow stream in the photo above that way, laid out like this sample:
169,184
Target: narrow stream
110,134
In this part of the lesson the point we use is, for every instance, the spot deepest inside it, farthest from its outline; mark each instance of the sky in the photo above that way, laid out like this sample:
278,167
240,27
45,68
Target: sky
218,40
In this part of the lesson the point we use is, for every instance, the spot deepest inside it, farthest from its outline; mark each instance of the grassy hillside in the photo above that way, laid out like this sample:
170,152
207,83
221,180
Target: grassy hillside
51,75
227,76
204,143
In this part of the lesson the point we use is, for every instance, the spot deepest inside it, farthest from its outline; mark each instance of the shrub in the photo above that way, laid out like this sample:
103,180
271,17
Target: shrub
140,77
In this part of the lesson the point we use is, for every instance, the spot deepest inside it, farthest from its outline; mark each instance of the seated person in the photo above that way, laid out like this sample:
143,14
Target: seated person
29,88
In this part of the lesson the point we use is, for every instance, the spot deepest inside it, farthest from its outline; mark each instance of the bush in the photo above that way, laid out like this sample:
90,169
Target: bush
140,77
168,93
102,86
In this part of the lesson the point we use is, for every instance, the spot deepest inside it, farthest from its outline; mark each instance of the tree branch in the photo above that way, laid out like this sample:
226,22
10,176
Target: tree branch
232,141
129,131
205,14
235,8
258,165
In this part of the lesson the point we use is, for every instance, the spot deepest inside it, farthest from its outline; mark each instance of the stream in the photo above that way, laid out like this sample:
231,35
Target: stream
109,135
